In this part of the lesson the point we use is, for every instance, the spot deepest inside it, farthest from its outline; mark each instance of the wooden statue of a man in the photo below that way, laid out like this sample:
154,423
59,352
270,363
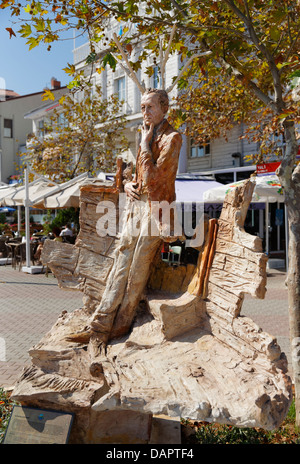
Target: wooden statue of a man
154,181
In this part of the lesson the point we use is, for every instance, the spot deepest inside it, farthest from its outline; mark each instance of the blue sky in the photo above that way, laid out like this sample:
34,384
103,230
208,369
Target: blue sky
27,71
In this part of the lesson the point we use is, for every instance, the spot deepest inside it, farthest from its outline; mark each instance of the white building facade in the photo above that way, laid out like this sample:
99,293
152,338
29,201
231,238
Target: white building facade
15,129
13,132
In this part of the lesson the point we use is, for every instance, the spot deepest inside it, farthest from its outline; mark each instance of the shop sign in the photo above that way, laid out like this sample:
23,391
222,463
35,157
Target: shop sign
267,168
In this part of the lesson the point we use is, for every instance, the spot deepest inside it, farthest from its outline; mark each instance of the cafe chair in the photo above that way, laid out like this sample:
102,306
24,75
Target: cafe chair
9,254
175,255
20,255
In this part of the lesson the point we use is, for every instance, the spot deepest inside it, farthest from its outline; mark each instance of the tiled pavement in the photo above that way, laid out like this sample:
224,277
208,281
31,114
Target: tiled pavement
31,303
271,313
29,306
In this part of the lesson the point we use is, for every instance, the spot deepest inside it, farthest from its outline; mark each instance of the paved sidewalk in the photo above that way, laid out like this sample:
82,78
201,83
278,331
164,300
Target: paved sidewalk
31,303
271,313
29,306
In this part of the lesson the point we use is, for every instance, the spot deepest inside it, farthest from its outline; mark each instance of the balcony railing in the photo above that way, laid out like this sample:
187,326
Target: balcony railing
81,53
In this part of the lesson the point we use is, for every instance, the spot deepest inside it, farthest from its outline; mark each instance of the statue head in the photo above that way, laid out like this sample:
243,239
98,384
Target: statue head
154,105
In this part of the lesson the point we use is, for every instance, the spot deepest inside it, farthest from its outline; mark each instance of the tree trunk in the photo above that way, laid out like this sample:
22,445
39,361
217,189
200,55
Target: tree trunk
293,282
290,179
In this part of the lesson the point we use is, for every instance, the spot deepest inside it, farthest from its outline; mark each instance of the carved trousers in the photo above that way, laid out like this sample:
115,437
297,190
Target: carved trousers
130,272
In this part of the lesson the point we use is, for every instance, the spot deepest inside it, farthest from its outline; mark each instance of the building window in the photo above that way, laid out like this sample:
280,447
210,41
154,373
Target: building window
41,128
8,128
120,89
155,77
62,120
198,150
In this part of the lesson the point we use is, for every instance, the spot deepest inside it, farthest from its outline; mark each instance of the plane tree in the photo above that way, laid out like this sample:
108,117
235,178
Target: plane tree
84,133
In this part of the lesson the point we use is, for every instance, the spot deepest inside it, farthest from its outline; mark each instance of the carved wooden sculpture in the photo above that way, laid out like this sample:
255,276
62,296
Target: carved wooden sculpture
189,354
153,182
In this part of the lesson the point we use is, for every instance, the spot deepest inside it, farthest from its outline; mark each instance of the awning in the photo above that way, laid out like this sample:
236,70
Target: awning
192,190
6,209
16,196
267,190
64,195
6,191
67,194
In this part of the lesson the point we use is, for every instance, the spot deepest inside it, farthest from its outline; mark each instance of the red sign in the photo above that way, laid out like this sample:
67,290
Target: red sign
267,168
53,106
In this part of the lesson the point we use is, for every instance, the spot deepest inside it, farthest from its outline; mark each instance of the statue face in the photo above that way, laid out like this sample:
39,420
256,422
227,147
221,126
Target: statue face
151,109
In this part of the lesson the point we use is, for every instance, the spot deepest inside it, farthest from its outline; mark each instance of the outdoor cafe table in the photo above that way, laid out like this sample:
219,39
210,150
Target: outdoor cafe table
13,246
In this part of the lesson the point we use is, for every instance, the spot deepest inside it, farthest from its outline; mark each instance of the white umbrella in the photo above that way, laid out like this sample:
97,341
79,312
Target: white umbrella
63,195
17,195
67,194
6,191
193,190
267,189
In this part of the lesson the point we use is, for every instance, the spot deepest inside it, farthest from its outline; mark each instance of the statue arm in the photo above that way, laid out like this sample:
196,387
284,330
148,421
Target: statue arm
155,171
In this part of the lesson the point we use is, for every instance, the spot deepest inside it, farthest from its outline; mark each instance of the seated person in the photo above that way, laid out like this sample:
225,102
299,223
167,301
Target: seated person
38,251
67,231
56,232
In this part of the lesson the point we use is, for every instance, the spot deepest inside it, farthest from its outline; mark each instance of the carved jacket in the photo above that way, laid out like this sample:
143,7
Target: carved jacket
156,169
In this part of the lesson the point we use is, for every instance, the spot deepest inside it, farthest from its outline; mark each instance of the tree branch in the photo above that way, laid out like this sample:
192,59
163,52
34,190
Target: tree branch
165,58
178,7
171,87
277,104
131,73
266,53
79,159
291,49
239,75
156,19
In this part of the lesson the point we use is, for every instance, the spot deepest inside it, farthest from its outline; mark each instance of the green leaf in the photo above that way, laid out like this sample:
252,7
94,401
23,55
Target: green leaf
69,69
295,74
91,58
40,25
182,83
109,59
25,30
32,42
282,65
74,83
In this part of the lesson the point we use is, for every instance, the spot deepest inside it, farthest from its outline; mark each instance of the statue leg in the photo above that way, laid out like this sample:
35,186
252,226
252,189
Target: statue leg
102,319
144,254
125,285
